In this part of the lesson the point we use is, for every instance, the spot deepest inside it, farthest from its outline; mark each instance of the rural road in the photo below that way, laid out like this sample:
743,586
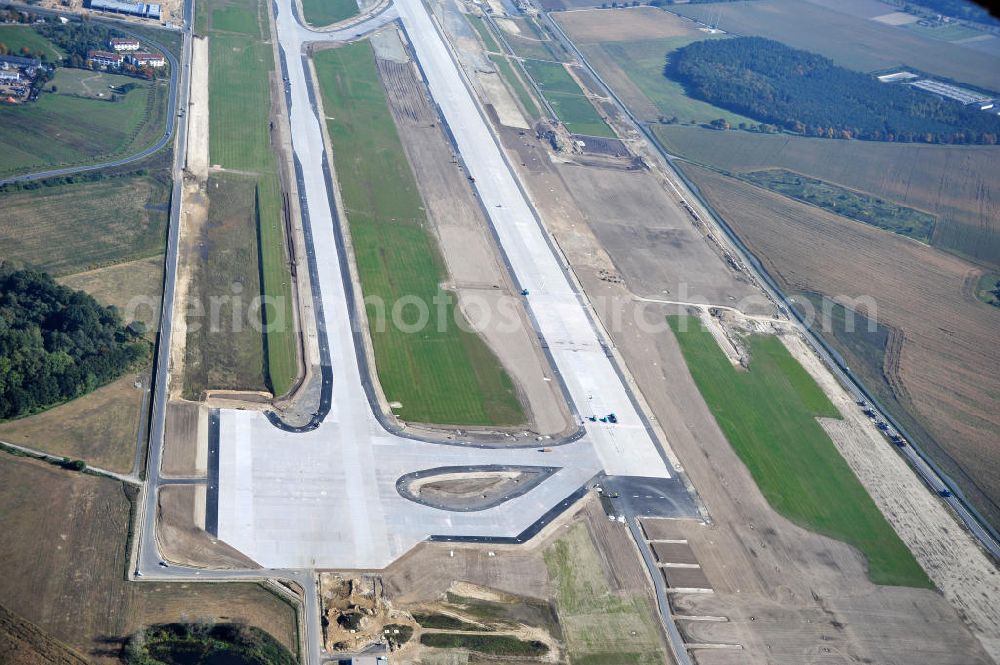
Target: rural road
168,131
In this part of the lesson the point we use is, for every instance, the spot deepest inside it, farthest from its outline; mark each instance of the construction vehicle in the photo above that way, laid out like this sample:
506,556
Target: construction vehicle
524,292
944,492
545,450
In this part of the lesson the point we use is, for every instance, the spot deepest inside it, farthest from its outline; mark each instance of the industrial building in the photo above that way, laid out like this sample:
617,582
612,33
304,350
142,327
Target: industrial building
131,8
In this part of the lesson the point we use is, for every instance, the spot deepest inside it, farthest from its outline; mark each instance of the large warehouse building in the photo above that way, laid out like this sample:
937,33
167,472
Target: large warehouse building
131,8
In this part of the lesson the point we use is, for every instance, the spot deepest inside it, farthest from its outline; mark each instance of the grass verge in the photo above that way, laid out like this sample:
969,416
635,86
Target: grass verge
600,627
240,140
439,372
768,414
326,12
567,98
517,85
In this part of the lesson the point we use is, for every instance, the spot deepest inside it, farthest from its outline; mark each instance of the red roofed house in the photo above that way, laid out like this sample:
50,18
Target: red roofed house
105,59
147,60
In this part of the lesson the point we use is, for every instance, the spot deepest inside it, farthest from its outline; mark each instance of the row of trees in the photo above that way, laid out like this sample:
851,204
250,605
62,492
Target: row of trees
57,343
808,94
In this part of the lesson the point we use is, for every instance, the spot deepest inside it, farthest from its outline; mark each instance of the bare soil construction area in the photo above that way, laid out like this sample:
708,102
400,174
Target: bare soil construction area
529,590
948,337
64,554
781,594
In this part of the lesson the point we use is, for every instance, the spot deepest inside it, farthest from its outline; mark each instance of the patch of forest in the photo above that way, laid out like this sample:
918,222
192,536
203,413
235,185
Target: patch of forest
57,343
808,94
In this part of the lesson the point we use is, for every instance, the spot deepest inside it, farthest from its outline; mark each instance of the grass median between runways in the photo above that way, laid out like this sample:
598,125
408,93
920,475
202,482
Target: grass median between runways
440,374
768,414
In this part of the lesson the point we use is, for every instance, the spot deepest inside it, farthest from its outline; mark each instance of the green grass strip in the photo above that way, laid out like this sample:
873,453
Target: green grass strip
440,373
515,84
240,139
768,414
321,13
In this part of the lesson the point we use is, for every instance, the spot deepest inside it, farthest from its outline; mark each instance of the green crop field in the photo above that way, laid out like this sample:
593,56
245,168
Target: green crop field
643,62
325,12
14,39
599,627
768,414
65,130
66,229
567,98
239,138
516,85
440,373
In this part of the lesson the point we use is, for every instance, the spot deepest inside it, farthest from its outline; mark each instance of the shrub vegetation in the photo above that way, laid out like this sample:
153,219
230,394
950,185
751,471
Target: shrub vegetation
57,343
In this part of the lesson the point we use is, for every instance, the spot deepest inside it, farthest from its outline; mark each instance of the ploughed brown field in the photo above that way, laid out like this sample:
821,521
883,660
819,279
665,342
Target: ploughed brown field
64,554
945,367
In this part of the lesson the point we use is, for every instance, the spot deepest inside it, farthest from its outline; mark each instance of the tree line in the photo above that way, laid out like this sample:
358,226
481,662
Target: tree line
806,93
57,343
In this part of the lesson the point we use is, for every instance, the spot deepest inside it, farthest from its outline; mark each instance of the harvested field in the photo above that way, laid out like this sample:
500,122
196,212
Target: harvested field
850,41
99,428
225,349
23,643
65,569
135,288
959,184
625,25
65,229
949,339
396,257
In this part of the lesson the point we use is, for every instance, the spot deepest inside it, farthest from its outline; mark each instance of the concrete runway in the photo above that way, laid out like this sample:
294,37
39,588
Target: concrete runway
327,498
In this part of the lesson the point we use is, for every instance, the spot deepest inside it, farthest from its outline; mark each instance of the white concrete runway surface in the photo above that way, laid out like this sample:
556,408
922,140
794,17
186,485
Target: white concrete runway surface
327,498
